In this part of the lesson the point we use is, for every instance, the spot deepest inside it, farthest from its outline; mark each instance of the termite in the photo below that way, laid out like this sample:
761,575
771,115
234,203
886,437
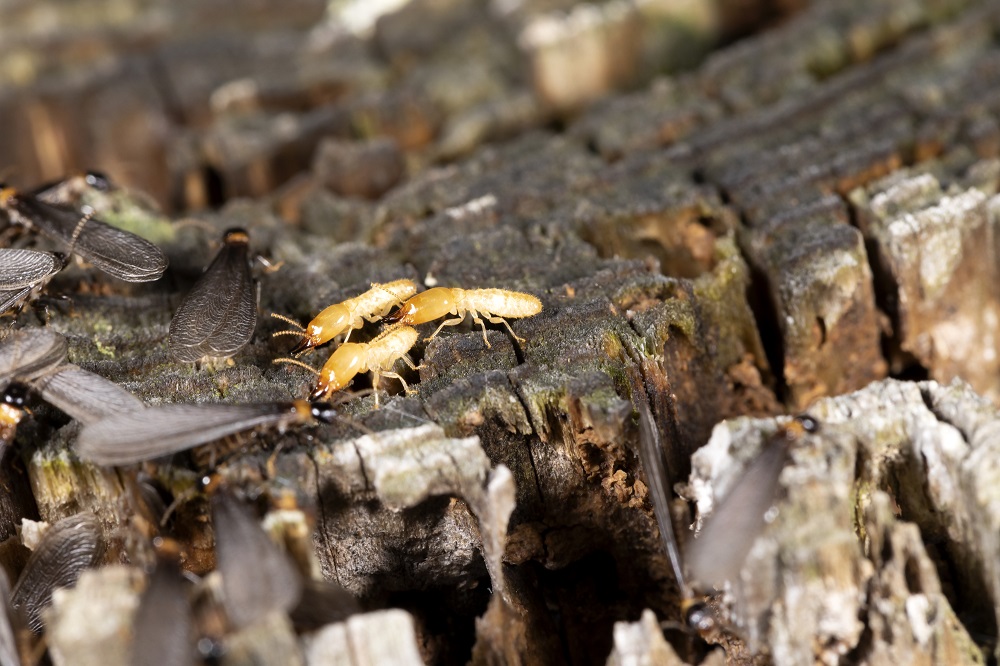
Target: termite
115,251
219,314
727,536
351,358
153,432
349,315
490,304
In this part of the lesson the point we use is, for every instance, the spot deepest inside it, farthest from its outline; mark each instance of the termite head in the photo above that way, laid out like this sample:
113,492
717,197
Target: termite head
6,193
426,306
323,412
315,411
324,327
699,617
236,236
801,425
15,395
98,181
338,371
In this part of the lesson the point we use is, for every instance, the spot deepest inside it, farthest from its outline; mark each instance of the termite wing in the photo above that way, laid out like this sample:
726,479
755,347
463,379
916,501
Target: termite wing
258,578
9,654
32,359
116,252
132,437
651,457
721,548
29,353
65,550
163,630
219,314
23,273
85,396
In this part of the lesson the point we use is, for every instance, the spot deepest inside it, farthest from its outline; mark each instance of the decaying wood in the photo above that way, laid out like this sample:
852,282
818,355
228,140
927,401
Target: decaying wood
809,210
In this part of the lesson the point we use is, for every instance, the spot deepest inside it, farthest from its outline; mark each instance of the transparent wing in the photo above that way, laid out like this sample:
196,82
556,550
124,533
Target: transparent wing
114,251
9,655
218,316
258,578
11,299
65,550
158,431
163,631
22,268
30,352
651,456
85,396
717,555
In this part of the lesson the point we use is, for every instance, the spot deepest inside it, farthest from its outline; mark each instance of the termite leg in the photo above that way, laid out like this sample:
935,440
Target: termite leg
451,322
477,320
501,320
395,375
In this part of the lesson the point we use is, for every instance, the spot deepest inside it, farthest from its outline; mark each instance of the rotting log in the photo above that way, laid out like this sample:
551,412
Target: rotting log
726,232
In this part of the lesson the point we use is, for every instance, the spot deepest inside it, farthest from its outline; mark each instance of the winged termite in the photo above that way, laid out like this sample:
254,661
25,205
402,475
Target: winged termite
112,250
245,553
158,431
219,314
23,273
720,550
64,551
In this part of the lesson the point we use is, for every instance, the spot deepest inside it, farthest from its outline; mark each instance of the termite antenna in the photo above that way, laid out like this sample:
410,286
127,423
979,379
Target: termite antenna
287,320
301,334
381,287
298,363
387,328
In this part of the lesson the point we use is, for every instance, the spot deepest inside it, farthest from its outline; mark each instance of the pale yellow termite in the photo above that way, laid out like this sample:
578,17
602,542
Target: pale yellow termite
490,304
350,314
351,358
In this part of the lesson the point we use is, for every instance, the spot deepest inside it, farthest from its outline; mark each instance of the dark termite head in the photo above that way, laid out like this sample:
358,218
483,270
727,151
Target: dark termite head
15,395
808,423
699,616
98,180
323,412
236,236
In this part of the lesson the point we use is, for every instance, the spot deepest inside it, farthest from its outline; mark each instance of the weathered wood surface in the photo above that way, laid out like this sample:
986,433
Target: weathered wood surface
809,210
